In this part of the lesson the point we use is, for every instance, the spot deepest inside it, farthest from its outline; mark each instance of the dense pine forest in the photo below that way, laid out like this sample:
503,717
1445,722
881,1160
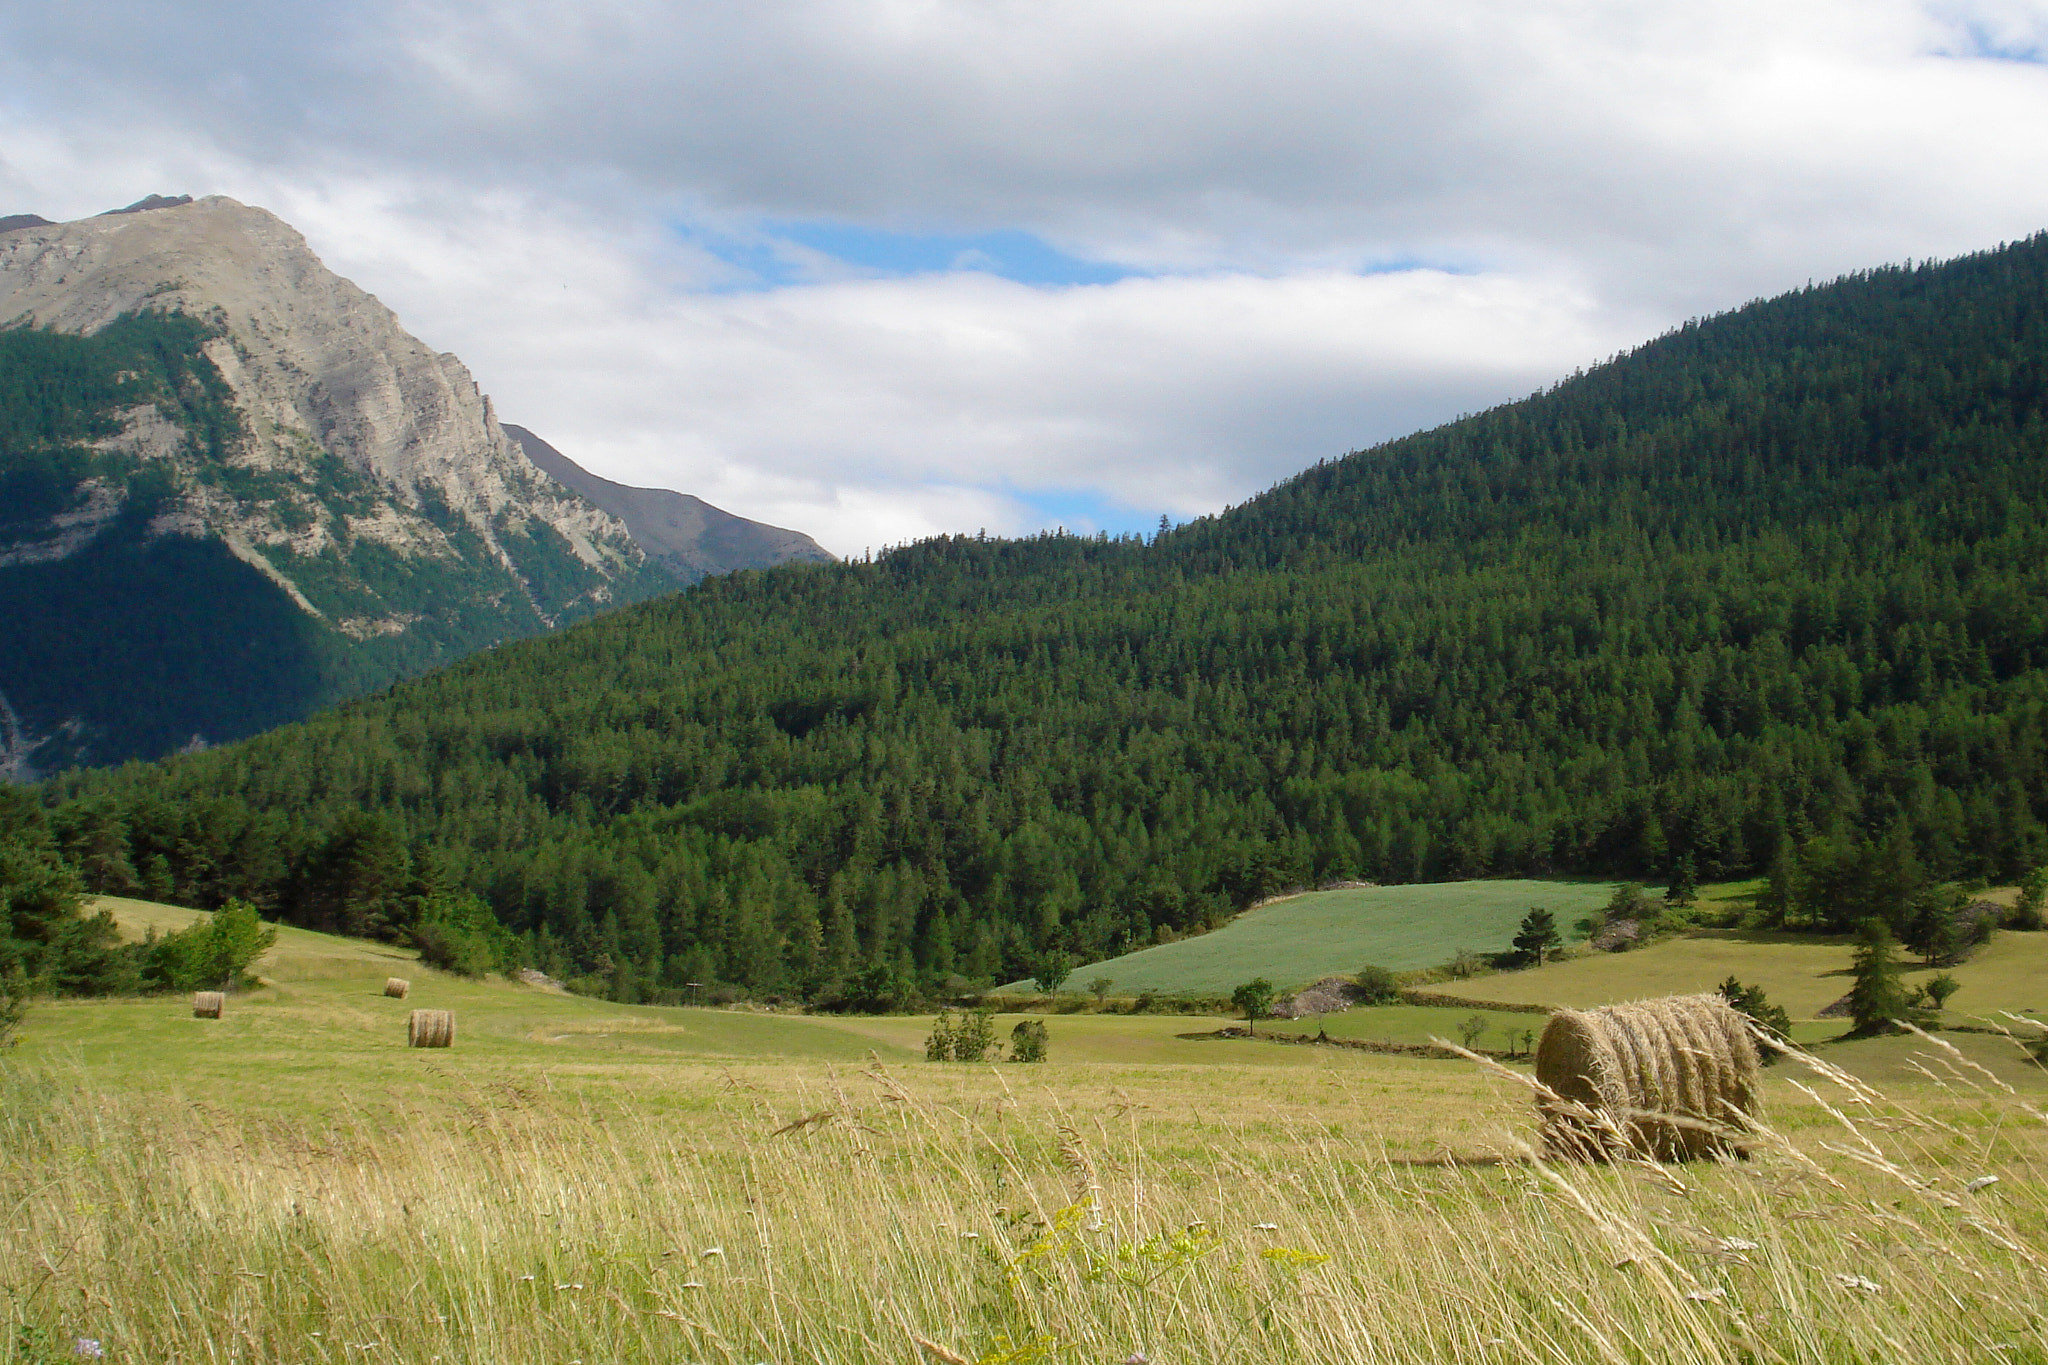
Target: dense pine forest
1767,593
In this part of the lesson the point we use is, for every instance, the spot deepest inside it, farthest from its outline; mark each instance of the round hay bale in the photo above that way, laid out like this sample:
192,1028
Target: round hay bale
1674,1079
430,1028
397,987
208,1004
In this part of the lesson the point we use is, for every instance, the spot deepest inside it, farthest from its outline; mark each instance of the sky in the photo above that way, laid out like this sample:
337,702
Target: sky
883,269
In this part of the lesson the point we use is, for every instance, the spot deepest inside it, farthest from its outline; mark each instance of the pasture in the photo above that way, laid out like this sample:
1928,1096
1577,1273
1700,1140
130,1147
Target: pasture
580,1181
1316,934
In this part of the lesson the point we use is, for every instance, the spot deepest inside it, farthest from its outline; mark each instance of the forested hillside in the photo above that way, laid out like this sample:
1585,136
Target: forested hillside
1770,587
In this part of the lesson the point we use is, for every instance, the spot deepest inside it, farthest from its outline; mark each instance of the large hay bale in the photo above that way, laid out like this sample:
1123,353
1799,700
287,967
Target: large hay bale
430,1028
208,1004
1674,1079
397,987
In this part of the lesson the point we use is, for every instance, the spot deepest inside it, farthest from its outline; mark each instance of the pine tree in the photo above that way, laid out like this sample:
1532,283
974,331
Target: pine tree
1879,996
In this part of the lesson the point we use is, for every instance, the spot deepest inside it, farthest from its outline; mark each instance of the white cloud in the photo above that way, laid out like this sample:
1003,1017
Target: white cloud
511,177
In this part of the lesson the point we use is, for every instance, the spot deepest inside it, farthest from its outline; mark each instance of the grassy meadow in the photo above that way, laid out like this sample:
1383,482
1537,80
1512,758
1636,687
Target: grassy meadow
1324,933
577,1181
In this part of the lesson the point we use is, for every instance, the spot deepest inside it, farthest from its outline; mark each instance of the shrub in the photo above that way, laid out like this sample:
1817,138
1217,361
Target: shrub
1375,985
1940,989
1099,987
1472,1030
213,954
1027,1042
2026,910
961,1036
13,1005
458,933
1749,1001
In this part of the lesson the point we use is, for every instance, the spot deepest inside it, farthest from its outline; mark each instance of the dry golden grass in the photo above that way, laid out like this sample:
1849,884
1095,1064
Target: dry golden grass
780,1212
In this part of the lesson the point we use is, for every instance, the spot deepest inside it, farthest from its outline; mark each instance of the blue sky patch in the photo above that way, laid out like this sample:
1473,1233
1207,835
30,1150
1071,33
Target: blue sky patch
1084,511
1009,254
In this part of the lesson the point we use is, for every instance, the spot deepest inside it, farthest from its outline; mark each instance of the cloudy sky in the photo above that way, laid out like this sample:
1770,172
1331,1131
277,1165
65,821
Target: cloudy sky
877,269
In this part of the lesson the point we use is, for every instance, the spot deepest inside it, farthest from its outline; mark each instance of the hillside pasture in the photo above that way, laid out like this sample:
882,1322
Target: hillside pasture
1801,972
1304,938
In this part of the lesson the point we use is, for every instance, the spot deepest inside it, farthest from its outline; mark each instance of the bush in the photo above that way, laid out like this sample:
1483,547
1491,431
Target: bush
1027,1042
13,1005
213,954
2026,910
1375,985
961,1036
458,933
1749,1001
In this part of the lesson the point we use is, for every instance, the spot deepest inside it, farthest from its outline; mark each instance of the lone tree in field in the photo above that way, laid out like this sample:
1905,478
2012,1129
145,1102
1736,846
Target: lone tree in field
1537,937
1052,972
1099,987
1879,995
1255,998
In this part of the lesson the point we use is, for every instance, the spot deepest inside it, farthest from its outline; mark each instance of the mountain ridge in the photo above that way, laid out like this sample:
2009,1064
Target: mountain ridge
684,533
191,397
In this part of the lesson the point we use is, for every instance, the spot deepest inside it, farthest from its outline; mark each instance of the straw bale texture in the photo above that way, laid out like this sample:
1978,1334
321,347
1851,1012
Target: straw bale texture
397,987
1674,1079
430,1028
208,1004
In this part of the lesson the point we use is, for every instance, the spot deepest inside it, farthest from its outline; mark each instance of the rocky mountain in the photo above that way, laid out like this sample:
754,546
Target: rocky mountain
686,535
233,488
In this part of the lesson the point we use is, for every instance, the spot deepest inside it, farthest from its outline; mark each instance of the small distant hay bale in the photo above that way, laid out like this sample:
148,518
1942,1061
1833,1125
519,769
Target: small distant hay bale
430,1028
397,987
208,1004
1674,1079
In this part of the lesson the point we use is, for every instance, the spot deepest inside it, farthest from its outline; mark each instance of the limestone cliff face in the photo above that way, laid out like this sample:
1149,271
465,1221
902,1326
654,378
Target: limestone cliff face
319,369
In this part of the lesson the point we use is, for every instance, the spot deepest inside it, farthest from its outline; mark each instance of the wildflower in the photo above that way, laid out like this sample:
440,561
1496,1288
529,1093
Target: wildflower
89,1347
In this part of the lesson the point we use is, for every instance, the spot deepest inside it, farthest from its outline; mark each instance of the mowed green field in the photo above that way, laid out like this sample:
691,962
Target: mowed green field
1325,933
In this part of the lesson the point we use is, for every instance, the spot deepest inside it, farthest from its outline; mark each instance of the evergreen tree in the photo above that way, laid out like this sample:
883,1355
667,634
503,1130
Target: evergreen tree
1536,938
1879,996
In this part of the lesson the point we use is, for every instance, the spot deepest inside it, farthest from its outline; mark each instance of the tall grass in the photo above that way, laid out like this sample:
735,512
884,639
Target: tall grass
912,1214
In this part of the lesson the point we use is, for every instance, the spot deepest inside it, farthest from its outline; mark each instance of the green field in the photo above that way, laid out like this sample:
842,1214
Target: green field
1323,933
577,1181
1801,973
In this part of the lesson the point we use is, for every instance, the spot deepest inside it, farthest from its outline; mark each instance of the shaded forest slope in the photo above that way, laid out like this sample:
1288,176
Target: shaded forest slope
1773,577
